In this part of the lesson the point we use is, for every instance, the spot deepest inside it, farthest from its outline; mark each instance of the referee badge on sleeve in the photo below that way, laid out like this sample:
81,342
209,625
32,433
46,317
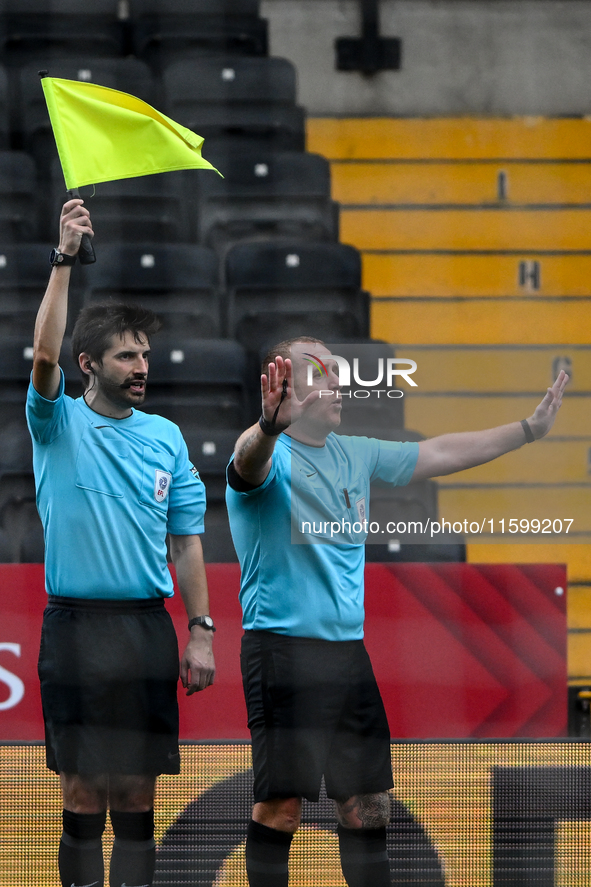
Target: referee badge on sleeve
162,482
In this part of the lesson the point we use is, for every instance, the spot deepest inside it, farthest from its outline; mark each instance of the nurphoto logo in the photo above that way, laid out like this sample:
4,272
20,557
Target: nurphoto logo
387,369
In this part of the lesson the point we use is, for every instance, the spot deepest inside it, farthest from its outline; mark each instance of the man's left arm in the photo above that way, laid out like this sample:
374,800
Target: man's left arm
197,665
455,452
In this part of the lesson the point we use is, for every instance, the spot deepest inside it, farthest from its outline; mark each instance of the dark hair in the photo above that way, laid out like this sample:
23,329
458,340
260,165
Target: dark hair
283,349
99,323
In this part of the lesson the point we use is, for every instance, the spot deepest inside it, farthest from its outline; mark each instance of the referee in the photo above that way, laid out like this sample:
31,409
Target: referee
112,483
314,708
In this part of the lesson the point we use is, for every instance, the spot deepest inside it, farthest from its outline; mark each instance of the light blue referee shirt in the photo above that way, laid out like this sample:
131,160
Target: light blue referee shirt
311,590
108,492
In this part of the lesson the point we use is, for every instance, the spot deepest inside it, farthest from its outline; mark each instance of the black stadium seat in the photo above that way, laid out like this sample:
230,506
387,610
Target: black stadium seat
154,208
237,98
372,416
211,449
264,194
37,30
280,289
21,533
24,272
18,200
164,30
177,281
16,363
200,384
4,110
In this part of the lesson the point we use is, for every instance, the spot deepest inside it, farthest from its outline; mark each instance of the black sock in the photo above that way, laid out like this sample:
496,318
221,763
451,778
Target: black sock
267,856
364,857
134,851
80,857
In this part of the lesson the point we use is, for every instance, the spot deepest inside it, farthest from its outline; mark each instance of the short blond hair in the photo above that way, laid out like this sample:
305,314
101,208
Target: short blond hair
283,349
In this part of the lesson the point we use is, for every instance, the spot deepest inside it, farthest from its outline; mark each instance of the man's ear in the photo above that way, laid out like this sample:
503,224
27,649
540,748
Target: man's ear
85,363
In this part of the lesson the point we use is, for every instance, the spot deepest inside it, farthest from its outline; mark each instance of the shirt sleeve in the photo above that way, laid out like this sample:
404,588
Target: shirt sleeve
394,461
47,419
275,473
186,509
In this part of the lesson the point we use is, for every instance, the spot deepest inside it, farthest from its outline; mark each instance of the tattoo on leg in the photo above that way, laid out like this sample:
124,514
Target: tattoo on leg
364,811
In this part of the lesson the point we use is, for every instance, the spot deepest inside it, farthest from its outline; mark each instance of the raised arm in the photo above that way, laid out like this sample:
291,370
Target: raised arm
455,452
50,324
280,408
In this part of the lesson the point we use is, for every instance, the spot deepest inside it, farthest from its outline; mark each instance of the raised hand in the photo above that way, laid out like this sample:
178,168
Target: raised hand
74,222
280,404
544,414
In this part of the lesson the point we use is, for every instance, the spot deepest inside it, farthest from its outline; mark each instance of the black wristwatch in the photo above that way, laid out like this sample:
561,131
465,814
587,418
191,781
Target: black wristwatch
58,258
204,621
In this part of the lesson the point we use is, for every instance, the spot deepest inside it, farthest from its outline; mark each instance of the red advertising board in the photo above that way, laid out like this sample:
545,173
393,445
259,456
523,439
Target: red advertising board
458,650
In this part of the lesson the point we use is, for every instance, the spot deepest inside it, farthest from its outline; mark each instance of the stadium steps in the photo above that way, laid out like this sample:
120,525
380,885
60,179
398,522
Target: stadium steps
472,230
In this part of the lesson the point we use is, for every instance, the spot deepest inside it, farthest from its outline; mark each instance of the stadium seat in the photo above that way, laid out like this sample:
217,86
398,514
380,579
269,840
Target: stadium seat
21,532
22,529
378,413
18,201
6,547
218,547
168,29
399,510
200,384
178,281
452,551
16,362
37,30
24,272
210,449
4,109
264,194
153,208
281,289
404,515
236,97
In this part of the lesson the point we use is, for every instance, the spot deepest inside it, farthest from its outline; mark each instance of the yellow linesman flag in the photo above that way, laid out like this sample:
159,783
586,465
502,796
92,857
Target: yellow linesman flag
103,134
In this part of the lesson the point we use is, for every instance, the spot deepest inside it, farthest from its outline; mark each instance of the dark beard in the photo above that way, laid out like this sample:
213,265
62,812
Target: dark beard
118,395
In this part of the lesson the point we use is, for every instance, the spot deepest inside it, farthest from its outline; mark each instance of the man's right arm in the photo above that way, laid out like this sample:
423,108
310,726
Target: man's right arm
281,407
50,325
253,452
253,455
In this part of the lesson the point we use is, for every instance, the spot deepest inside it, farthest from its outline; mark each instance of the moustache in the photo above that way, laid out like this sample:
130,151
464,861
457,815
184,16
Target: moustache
131,382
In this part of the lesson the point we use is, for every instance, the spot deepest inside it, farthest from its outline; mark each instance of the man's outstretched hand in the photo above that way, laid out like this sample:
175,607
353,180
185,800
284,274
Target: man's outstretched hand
544,414
280,402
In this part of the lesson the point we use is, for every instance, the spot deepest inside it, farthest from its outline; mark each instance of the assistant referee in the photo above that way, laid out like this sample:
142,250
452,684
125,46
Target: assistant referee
112,484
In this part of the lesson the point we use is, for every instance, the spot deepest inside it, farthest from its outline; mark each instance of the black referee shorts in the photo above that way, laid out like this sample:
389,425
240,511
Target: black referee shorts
314,709
109,672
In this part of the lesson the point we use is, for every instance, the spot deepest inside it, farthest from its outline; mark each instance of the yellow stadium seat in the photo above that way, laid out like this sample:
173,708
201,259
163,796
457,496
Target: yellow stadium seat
546,462
511,321
496,369
554,503
579,607
440,414
449,138
577,556
578,658
465,274
467,183
467,229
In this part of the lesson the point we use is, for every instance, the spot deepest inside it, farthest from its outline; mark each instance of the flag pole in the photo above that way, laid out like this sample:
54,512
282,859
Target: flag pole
86,252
